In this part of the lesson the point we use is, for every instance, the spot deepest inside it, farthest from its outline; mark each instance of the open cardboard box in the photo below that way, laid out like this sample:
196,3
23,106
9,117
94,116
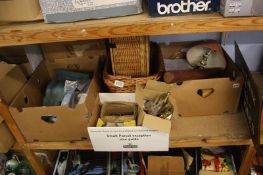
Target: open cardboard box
174,162
65,123
224,92
20,10
168,165
150,121
123,138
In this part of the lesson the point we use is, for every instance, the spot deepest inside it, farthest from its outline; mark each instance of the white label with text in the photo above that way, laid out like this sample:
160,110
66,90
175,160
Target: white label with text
128,139
119,84
183,7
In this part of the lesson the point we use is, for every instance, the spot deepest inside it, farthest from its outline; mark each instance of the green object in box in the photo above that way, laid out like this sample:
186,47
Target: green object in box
54,93
55,90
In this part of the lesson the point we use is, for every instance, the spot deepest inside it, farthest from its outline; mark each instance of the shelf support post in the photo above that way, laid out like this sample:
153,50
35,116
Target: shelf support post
246,163
6,115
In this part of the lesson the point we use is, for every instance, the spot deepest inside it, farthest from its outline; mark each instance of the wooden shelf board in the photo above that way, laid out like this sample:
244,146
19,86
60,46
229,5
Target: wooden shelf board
222,130
137,25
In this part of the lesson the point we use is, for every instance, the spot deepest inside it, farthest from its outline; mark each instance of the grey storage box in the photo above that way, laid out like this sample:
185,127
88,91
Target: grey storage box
75,10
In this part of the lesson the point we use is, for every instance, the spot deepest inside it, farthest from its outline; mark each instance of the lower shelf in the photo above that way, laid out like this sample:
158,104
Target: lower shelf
218,130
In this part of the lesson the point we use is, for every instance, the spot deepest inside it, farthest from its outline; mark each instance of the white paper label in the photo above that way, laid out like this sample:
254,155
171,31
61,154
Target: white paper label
128,139
96,3
119,84
236,85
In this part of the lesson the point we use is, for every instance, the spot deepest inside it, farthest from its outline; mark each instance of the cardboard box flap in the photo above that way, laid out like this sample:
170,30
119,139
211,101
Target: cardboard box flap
158,86
251,98
166,165
18,10
151,90
113,97
78,49
5,69
12,79
31,94
153,122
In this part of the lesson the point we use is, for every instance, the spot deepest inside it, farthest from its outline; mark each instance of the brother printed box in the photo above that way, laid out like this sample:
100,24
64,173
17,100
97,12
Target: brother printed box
175,7
76,10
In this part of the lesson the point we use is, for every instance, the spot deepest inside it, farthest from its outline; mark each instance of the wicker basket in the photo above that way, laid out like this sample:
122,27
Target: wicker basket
132,50
120,83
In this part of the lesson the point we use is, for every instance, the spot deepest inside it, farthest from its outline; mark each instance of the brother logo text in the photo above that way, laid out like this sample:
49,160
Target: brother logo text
183,7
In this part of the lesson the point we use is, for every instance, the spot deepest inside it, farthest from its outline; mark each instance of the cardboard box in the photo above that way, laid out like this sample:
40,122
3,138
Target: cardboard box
12,80
166,165
69,11
19,10
224,92
26,69
150,121
70,124
124,138
76,49
175,7
7,140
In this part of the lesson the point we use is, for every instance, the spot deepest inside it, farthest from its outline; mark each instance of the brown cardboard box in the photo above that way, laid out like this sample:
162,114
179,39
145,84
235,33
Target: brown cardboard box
12,80
77,49
27,69
7,140
19,10
165,165
124,138
70,124
147,120
224,92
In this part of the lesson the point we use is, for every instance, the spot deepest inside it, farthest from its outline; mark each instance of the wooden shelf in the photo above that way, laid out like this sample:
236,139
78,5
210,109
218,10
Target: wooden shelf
223,130
38,32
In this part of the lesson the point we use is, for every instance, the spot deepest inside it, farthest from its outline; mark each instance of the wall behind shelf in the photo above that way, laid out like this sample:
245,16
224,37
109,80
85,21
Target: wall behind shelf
251,46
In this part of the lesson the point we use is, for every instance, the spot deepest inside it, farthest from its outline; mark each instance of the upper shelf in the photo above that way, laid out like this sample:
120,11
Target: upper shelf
38,32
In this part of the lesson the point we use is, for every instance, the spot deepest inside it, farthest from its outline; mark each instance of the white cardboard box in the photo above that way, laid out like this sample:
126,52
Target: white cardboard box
125,138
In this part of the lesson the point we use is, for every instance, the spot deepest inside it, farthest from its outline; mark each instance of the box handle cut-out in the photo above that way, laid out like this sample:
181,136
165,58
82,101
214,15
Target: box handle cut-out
49,119
205,92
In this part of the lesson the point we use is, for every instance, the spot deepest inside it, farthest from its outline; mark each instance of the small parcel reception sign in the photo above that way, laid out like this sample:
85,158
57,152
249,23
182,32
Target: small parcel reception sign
120,139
